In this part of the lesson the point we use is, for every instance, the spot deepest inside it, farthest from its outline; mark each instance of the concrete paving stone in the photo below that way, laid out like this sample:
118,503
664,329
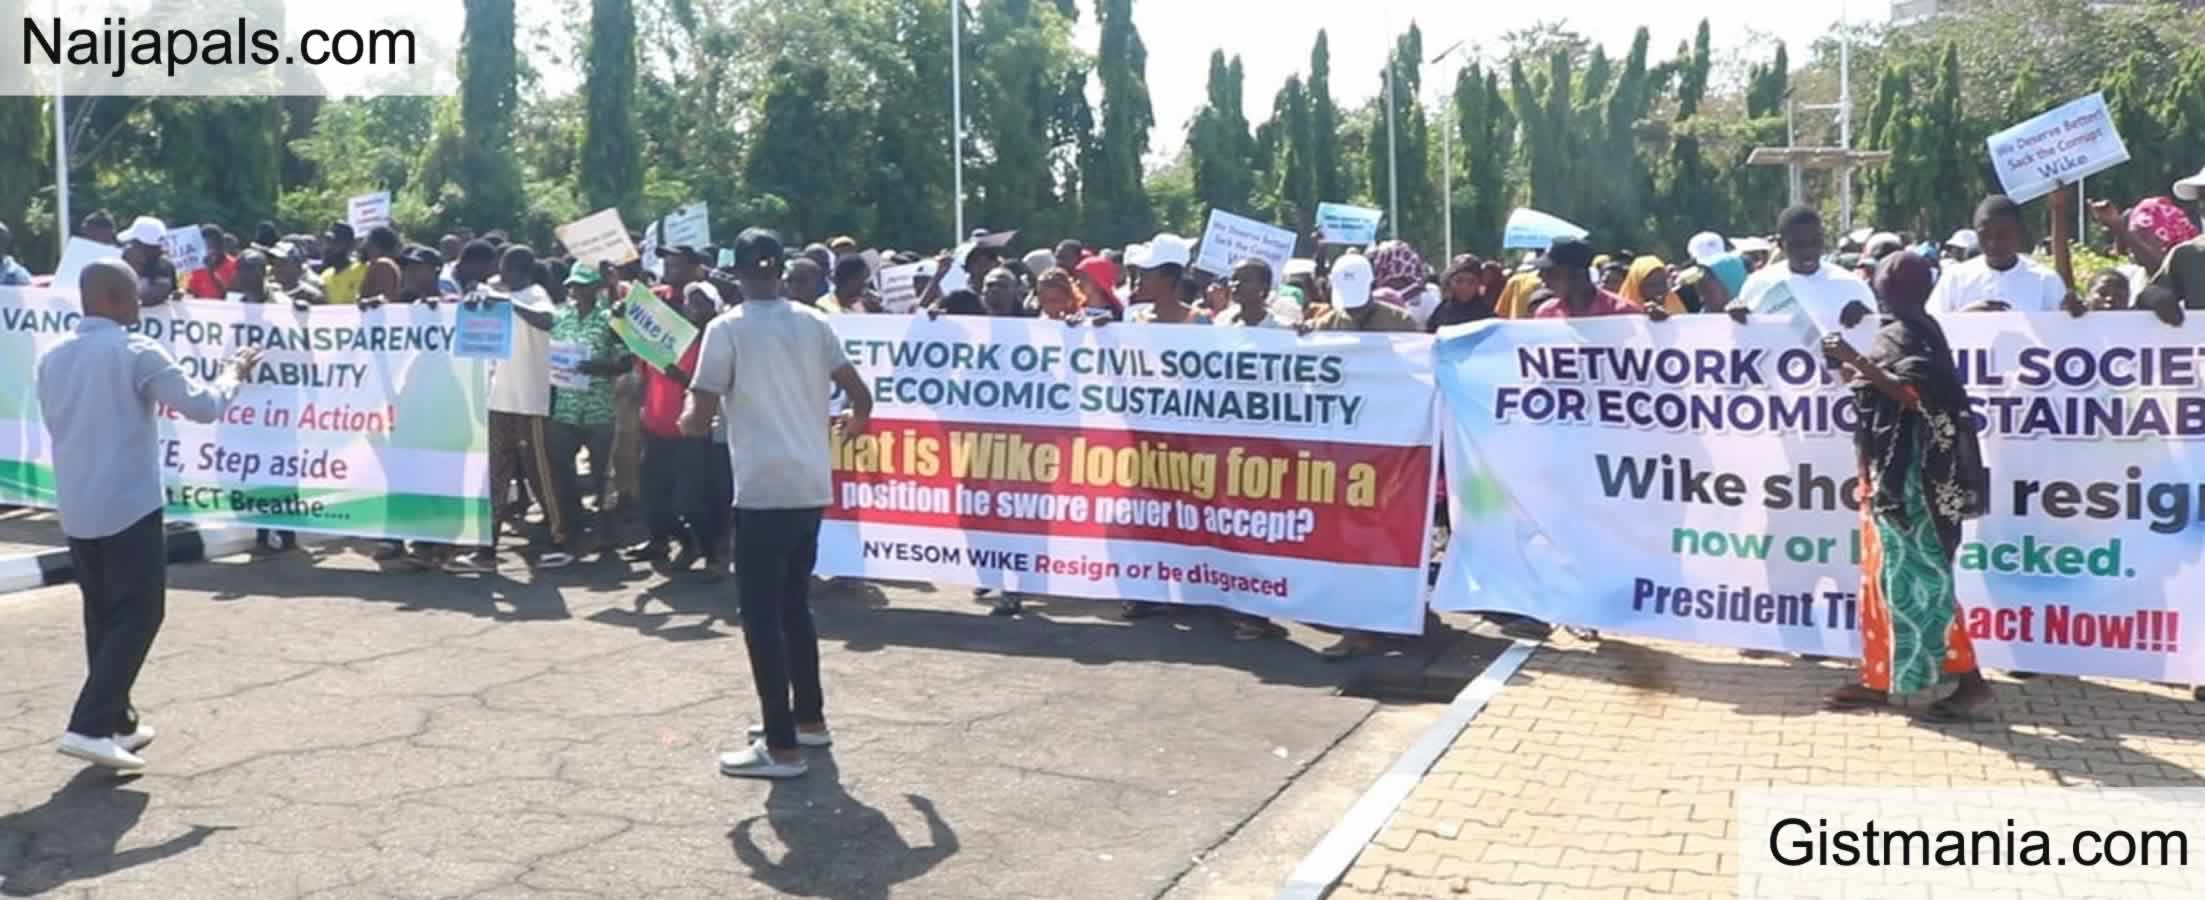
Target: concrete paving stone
331,730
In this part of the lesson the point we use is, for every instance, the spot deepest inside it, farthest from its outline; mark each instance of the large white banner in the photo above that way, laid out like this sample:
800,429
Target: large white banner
356,422
1695,479
1239,467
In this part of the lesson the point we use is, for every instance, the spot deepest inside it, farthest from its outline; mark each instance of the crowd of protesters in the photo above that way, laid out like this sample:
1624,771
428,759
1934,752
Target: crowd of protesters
658,486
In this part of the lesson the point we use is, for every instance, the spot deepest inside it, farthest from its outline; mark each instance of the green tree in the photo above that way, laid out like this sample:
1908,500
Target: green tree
1953,150
2134,104
908,181
794,158
1623,184
469,176
1224,152
1763,191
1325,160
1293,165
1409,146
1892,186
1691,200
612,161
1487,136
1116,205
26,170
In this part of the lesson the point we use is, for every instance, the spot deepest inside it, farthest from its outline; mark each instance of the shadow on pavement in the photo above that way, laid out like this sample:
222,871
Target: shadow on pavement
835,845
73,836
2052,723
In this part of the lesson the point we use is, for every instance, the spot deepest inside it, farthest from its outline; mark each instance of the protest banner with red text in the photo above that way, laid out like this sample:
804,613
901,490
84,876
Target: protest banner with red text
355,422
1696,479
1248,468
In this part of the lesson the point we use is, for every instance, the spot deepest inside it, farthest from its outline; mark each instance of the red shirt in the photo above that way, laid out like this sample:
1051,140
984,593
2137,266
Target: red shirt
215,284
1605,304
663,396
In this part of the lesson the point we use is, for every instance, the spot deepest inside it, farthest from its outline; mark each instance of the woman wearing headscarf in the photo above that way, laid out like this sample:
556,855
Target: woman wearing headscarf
1648,283
1098,277
2148,231
1396,265
1462,295
1921,476
1516,296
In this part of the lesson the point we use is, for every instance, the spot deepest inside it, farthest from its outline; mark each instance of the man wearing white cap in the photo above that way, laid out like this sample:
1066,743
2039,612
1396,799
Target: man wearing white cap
143,250
1963,245
1352,309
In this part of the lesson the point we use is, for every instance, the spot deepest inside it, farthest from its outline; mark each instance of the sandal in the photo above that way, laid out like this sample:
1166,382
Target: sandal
1348,647
1853,697
1258,630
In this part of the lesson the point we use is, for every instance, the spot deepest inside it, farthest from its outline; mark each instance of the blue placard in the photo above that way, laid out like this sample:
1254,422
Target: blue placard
1339,223
484,331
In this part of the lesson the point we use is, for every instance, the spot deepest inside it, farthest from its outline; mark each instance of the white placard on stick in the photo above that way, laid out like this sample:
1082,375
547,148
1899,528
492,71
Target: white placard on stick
690,225
186,248
896,292
368,211
598,237
79,253
1230,238
2067,144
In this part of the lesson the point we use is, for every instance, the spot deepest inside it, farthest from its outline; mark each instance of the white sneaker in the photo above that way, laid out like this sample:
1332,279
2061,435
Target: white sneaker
100,751
804,738
137,740
757,762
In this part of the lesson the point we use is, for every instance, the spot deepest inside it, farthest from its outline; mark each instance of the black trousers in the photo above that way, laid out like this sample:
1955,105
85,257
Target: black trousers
774,553
687,486
124,578
565,443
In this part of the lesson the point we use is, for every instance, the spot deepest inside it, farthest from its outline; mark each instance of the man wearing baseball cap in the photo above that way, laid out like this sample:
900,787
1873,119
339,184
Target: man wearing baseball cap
341,274
767,367
1354,308
143,250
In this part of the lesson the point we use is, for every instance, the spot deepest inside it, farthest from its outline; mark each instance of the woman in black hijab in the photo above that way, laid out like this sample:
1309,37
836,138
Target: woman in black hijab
1922,471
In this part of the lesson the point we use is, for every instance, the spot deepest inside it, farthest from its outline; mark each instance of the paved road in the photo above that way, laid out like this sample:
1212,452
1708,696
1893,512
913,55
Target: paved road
332,731
24,530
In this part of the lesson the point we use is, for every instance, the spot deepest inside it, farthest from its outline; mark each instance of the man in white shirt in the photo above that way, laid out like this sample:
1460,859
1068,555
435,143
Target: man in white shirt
520,402
2001,278
97,391
767,367
1819,298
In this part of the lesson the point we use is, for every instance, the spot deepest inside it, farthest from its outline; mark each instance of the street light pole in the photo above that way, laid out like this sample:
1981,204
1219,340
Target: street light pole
957,113
1447,159
1393,163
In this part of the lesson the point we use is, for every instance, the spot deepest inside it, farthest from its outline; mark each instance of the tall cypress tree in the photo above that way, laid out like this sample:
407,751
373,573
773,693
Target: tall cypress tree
1690,203
1764,190
790,158
1224,153
1487,130
1324,126
1295,170
1117,205
612,161
1952,152
908,178
470,168
1410,143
